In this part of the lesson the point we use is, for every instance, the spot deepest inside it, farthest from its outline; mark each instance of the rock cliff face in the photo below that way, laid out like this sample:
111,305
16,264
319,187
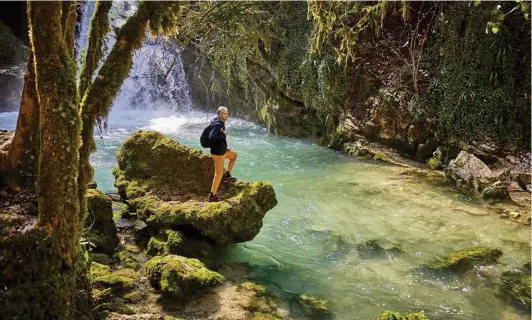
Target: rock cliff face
167,184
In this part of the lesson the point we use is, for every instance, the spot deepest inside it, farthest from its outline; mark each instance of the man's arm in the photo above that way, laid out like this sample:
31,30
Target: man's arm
217,133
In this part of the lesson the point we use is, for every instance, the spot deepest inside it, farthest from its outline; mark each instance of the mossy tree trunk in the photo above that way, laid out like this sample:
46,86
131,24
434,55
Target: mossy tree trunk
55,78
22,156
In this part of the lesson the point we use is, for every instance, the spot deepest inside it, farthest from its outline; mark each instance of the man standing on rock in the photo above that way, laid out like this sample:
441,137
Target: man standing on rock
220,151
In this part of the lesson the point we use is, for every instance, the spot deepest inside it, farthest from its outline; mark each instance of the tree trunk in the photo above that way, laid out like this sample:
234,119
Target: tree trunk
102,91
99,27
23,153
55,75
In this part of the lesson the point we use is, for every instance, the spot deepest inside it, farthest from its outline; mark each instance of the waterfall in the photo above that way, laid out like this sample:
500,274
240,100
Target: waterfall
157,79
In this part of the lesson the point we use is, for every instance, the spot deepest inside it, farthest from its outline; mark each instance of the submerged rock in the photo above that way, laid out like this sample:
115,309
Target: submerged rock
390,315
102,231
178,276
376,247
465,259
167,184
472,175
516,286
314,305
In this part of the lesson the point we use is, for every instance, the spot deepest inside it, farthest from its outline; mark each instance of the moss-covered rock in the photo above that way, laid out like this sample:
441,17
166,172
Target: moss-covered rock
178,276
435,163
102,258
102,231
313,304
473,176
122,279
258,289
516,286
128,260
179,199
174,242
390,315
135,296
466,259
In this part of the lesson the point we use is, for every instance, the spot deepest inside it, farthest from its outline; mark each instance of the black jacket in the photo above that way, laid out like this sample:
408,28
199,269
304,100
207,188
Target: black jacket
217,137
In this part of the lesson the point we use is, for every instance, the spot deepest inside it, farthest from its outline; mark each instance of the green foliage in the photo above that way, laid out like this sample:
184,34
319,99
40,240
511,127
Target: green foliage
342,24
484,90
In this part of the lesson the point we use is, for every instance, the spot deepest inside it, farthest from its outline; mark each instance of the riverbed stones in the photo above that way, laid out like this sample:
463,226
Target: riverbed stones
465,259
391,315
178,277
314,304
472,175
515,285
167,184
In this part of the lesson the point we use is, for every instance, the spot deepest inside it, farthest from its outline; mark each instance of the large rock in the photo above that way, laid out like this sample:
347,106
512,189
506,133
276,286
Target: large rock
390,315
168,183
102,230
177,276
472,175
463,260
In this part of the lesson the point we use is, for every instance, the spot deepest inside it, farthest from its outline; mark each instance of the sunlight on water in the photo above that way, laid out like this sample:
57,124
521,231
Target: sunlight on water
327,205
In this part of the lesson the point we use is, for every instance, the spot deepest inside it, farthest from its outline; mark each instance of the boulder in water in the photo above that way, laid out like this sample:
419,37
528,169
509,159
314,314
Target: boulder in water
315,305
516,285
376,248
168,183
472,175
102,231
178,276
465,259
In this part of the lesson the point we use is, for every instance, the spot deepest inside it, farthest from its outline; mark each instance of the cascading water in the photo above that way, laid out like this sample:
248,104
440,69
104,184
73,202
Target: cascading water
157,79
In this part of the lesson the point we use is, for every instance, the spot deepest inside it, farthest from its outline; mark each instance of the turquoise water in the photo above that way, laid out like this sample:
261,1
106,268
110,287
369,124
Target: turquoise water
324,197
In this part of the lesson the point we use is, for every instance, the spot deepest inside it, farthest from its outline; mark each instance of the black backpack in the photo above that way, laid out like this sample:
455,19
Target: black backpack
204,139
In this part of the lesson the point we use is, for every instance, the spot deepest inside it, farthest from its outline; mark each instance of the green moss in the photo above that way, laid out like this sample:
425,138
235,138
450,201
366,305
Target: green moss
179,276
262,304
466,259
164,202
120,279
98,270
258,289
381,157
102,231
314,304
9,45
128,260
135,296
101,258
390,315
516,286
157,247
435,163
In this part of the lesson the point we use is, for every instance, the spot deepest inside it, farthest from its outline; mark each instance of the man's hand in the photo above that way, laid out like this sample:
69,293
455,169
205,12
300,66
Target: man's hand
228,149
225,132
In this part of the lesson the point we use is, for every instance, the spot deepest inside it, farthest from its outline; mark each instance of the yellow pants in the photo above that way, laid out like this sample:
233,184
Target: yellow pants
219,168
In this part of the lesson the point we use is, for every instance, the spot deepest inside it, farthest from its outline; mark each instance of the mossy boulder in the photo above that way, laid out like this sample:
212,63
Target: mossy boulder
313,304
463,260
128,260
178,277
516,286
102,231
390,315
121,279
167,184
472,175
174,242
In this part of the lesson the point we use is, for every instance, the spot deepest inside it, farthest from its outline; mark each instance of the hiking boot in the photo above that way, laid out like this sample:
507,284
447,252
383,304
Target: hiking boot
214,198
228,178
